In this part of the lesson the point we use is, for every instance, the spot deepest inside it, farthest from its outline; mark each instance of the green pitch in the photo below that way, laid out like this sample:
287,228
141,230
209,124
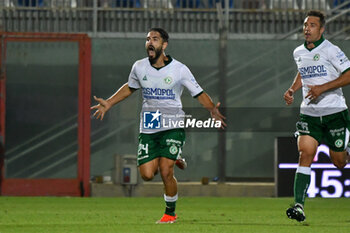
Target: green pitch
243,215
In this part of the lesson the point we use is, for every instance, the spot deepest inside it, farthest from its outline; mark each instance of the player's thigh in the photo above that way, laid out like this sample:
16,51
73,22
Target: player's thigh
307,147
149,169
339,158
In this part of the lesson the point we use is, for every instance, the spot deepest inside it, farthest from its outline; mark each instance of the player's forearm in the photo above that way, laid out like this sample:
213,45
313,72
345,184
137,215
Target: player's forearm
342,81
297,84
120,95
205,100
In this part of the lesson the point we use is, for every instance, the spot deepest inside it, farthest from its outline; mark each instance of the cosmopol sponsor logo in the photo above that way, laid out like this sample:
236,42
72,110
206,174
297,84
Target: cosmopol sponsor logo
158,93
313,71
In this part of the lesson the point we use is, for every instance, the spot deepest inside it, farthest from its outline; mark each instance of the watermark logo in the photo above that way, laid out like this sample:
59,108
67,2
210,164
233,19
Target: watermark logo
157,120
152,120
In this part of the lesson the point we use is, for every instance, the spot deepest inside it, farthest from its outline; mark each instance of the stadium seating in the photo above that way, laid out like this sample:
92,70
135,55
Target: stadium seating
271,18
201,4
188,4
30,3
212,3
127,3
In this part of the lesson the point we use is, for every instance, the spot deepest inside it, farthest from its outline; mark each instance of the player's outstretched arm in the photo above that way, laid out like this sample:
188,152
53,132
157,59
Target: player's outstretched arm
288,95
104,105
205,100
317,90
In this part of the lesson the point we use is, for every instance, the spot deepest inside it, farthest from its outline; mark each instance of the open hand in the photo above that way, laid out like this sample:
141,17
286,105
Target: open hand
215,113
101,108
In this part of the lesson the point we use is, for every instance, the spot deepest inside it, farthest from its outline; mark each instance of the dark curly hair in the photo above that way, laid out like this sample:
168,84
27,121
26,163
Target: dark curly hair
318,14
162,32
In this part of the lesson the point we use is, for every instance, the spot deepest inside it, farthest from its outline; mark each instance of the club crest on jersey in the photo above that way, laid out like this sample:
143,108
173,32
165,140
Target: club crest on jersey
144,78
317,57
168,80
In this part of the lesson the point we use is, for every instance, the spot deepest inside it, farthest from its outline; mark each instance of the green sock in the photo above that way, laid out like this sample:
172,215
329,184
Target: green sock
170,208
301,184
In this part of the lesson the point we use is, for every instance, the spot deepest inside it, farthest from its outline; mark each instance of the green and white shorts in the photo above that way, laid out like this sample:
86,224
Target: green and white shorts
333,130
167,144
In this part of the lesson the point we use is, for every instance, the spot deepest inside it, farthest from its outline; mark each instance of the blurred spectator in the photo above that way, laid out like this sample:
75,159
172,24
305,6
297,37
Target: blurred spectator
338,2
64,3
127,3
157,4
103,3
252,4
30,3
212,3
7,3
188,4
87,3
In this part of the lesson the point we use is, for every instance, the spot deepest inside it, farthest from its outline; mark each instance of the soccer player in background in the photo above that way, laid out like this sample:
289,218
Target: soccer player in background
162,79
322,70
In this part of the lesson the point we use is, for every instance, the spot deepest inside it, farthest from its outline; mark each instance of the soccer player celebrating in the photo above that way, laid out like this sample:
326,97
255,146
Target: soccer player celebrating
162,79
322,70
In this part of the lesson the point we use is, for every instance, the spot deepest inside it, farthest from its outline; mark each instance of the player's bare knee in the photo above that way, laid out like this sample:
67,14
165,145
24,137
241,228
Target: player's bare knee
305,157
166,174
147,176
340,164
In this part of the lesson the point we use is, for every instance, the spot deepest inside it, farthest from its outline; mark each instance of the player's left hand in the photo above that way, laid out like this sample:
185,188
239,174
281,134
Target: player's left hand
314,92
215,113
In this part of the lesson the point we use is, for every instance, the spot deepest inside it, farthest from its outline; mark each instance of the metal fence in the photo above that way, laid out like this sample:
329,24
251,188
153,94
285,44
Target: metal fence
246,18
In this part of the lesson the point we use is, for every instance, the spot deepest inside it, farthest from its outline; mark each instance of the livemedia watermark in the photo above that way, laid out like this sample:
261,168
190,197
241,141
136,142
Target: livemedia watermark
158,120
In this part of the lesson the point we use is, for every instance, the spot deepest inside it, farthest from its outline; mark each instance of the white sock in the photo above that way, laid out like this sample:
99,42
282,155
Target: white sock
304,170
170,199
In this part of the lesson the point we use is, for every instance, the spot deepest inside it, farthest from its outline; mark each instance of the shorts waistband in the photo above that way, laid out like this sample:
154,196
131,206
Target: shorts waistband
326,116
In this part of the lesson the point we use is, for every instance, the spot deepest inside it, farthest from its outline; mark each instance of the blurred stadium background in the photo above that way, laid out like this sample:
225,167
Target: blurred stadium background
240,51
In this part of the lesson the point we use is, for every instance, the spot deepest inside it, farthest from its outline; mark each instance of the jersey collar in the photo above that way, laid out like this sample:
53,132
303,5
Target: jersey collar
170,59
316,43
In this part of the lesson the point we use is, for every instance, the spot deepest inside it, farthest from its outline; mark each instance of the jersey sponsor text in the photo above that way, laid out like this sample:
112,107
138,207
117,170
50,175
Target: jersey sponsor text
157,93
313,71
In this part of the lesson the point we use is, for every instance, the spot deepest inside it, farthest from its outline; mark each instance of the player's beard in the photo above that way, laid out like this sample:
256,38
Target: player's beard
158,52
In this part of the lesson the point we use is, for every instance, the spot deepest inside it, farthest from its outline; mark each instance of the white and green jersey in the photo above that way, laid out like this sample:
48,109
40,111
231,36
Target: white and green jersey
322,64
161,92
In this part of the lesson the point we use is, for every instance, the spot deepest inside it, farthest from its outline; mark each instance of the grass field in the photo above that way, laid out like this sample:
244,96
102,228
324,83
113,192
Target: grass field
51,214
